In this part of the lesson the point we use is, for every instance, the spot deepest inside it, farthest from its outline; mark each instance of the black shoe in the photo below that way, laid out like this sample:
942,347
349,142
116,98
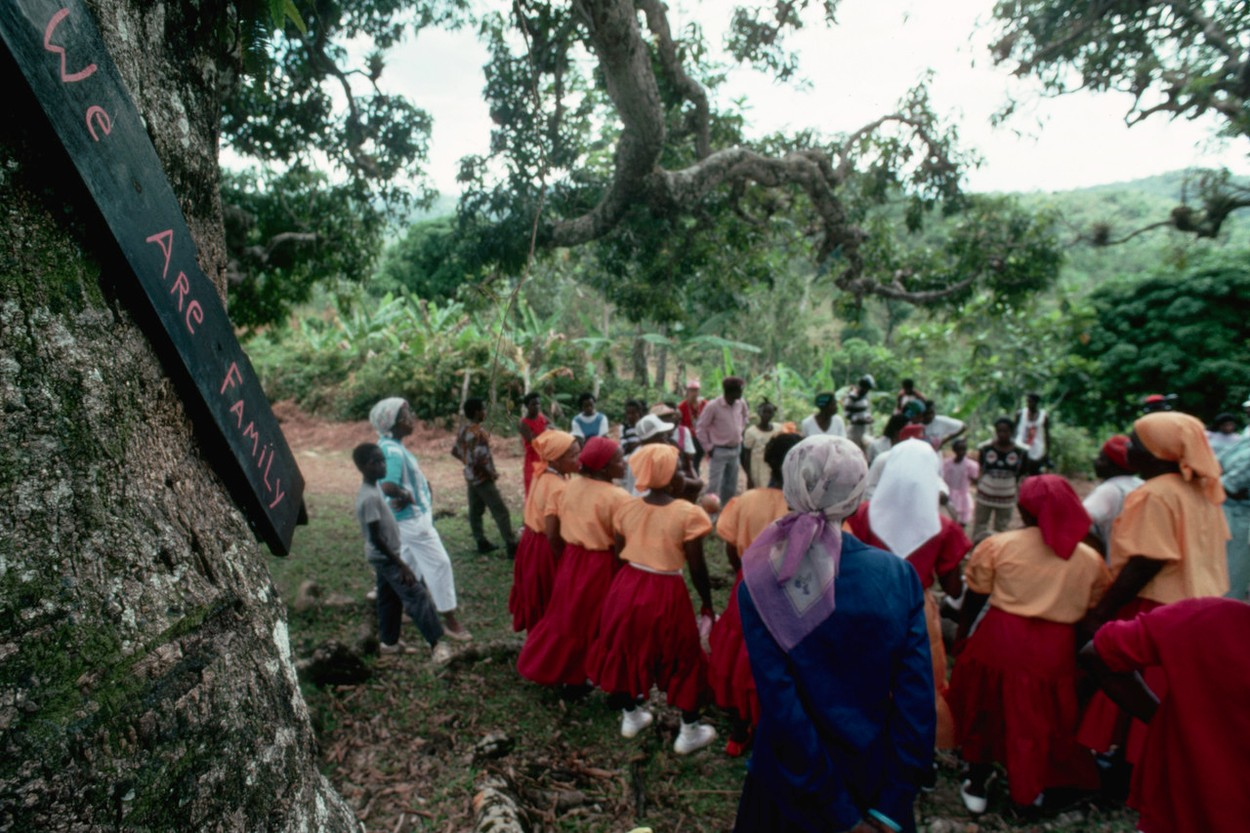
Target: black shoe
486,546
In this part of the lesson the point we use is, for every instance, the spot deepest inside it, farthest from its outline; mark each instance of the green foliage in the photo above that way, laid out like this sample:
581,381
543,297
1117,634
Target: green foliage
1177,58
288,232
1186,333
424,262
335,154
340,363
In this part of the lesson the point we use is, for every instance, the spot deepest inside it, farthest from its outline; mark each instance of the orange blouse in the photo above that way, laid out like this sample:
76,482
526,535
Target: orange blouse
544,500
749,514
655,536
586,508
1170,520
1022,575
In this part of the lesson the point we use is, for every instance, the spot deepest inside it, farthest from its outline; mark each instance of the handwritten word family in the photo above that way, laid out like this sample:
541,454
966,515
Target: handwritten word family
66,63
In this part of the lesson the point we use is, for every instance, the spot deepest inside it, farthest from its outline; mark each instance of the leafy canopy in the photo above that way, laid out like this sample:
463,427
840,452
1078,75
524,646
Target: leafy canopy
1187,334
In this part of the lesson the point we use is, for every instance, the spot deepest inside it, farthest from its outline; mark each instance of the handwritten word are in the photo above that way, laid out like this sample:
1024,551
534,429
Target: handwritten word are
182,286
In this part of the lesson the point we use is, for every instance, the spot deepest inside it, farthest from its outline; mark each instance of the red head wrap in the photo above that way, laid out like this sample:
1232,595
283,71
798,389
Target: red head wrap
1116,450
597,453
911,432
1060,515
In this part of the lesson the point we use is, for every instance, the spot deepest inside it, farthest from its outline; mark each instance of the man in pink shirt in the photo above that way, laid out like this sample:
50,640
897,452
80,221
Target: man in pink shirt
719,430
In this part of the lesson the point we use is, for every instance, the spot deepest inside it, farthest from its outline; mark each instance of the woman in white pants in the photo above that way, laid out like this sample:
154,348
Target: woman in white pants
409,492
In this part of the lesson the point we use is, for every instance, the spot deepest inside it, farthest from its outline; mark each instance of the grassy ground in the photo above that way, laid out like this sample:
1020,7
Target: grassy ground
403,747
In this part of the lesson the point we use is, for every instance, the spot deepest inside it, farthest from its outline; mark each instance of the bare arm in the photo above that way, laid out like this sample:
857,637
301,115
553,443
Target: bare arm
525,432
375,538
551,525
698,572
973,602
952,583
1127,689
1136,574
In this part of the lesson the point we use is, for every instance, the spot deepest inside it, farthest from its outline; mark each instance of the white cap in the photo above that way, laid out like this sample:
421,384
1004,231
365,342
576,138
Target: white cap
651,426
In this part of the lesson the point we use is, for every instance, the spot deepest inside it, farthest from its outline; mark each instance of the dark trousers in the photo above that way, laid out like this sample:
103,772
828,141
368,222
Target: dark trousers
483,496
698,453
396,598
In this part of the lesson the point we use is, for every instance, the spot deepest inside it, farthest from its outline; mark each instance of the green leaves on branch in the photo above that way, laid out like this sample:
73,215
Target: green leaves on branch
1186,333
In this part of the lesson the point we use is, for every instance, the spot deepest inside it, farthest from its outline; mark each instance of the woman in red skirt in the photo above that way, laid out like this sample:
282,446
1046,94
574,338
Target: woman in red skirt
539,549
647,632
904,517
729,672
1167,545
555,649
1013,692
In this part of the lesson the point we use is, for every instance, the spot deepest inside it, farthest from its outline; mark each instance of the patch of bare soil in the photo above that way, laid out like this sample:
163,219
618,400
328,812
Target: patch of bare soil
323,451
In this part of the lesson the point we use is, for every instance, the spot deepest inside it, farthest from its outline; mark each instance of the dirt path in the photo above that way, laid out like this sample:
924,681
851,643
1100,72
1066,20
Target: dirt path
323,450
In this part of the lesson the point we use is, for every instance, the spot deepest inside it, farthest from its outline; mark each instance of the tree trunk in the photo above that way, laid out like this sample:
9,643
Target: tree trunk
146,681
639,355
661,362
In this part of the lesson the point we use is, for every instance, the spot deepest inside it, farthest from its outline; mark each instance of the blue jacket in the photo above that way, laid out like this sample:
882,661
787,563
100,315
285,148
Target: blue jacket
848,717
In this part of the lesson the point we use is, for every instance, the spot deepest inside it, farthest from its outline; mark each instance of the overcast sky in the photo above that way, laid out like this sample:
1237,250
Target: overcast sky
858,71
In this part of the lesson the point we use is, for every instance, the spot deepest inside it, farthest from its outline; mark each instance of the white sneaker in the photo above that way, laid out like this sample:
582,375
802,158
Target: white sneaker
442,653
634,721
399,647
975,804
693,737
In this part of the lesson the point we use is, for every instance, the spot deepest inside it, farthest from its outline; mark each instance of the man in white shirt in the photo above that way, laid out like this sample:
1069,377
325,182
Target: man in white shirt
940,429
825,420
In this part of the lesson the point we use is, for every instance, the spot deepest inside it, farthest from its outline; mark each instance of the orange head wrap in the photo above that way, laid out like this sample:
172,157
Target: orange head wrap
551,445
653,466
1182,439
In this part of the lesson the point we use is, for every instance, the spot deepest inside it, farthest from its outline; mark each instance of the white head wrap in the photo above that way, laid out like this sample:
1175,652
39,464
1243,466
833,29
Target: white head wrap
384,414
903,511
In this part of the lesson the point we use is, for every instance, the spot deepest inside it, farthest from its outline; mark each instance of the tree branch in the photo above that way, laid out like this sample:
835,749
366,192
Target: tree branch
657,22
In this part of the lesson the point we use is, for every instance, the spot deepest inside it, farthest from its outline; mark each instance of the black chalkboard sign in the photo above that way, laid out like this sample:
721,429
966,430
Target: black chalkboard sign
59,50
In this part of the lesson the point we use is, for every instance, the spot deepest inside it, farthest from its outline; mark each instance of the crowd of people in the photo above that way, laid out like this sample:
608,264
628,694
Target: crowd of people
1094,638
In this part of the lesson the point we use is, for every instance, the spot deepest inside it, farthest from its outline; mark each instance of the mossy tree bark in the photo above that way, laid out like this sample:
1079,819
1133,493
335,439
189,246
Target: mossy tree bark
145,673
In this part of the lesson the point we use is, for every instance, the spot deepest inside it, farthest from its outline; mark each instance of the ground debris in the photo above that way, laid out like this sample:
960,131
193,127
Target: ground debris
333,663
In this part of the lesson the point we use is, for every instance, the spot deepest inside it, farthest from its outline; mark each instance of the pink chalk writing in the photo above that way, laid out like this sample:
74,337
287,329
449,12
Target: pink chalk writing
66,76
98,117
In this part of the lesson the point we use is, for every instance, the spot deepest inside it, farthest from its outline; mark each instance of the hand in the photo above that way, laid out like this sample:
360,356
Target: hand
706,620
407,577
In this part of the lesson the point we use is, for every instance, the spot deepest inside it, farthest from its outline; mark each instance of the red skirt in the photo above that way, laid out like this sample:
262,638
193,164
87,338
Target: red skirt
533,574
555,649
729,671
1105,724
648,636
1014,700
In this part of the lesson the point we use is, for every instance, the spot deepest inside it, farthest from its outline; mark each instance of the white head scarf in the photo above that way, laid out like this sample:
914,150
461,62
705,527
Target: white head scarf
384,414
903,511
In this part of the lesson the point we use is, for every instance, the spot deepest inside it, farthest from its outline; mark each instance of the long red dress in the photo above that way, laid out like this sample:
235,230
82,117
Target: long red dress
647,631
555,648
1192,774
729,669
534,570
